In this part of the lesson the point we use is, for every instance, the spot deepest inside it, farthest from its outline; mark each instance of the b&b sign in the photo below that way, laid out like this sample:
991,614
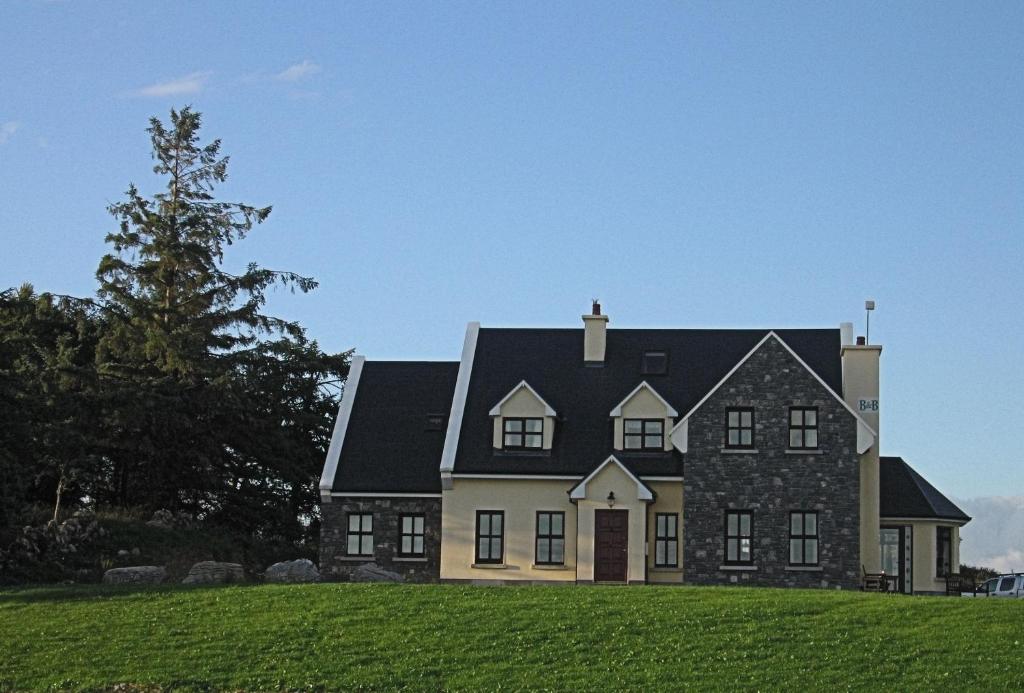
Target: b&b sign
867,406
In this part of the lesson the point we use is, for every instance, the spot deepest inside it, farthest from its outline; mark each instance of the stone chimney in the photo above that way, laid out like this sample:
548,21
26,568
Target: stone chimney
861,392
595,336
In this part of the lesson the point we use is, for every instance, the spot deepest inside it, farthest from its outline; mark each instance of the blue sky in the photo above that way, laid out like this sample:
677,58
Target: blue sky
729,165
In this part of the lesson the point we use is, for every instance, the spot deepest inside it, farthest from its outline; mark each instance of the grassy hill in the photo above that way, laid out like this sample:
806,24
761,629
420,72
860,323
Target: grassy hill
373,637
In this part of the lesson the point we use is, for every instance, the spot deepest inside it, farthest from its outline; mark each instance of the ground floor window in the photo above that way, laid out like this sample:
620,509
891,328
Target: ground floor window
490,535
360,534
943,551
666,540
550,538
739,533
803,538
410,537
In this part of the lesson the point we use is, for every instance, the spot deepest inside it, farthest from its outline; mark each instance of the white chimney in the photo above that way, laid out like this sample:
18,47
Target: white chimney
595,338
846,334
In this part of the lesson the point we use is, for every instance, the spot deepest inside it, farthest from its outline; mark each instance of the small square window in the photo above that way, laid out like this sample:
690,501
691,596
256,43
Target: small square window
803,428
739,428
522,434
654,363
360,534
643,434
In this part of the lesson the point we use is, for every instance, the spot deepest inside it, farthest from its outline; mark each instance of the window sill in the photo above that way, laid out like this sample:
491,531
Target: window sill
540,566
740,568
357,559
739,451
666,569
409,559
533,452
489,566
808,451
804,568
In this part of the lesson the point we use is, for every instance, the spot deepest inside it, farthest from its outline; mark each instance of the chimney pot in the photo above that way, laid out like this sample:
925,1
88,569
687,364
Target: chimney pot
596,310
861,341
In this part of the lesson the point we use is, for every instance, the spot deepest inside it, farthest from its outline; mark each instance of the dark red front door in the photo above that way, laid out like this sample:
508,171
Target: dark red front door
610,544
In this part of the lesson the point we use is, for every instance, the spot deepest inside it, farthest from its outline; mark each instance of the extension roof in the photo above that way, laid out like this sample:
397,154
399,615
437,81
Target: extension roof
387,446
584,395
905,493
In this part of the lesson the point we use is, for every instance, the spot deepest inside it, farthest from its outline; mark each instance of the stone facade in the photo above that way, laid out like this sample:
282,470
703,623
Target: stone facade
772,481
336,565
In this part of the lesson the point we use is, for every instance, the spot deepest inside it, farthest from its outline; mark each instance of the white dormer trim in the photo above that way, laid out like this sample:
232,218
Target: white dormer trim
548,409
866,435
451,436
579,491
669,411
348,397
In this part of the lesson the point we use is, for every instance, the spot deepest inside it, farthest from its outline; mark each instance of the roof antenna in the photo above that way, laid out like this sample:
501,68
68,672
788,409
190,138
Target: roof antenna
869,306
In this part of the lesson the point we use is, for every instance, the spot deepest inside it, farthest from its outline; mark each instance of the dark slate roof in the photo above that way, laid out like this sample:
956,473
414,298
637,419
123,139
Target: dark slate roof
387,446
905,493
551,361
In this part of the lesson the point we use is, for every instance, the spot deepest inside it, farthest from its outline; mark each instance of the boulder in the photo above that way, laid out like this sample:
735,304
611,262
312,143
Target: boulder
135,575
302,570
214,573
371,572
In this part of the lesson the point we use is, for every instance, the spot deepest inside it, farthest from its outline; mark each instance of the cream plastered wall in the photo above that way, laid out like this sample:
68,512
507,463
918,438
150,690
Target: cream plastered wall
612,479
669,499
524,404
643,405
520,500
924,579
860,381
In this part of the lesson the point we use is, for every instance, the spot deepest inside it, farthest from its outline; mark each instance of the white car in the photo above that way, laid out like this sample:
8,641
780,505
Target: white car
1003,586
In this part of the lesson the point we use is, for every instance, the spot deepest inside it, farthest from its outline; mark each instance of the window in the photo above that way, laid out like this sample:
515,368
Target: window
490,528
803,428
523,434
739,425
803,538
643,434
550,538
410,535
666,540
1006,584
943,551
654,363
738,536
360,534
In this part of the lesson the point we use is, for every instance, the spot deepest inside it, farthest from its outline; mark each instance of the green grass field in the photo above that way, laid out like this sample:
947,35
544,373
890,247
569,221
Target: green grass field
383,637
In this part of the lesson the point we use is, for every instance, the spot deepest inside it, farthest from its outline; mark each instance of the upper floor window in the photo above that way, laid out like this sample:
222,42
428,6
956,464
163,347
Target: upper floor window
654,363
739,427
523,434
410,535
550,538
666,542
643,434
490,536
803,538
739,534
943,551
803,428
360,534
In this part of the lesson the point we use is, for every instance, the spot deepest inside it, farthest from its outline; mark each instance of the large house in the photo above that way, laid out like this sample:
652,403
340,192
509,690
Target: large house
631,456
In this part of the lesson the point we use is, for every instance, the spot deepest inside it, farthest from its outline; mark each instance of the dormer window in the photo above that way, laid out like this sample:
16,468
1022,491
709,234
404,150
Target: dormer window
523,433
643,434
654,363
640,420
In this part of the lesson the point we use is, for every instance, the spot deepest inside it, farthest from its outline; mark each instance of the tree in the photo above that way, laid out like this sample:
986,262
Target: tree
48,443
212,404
